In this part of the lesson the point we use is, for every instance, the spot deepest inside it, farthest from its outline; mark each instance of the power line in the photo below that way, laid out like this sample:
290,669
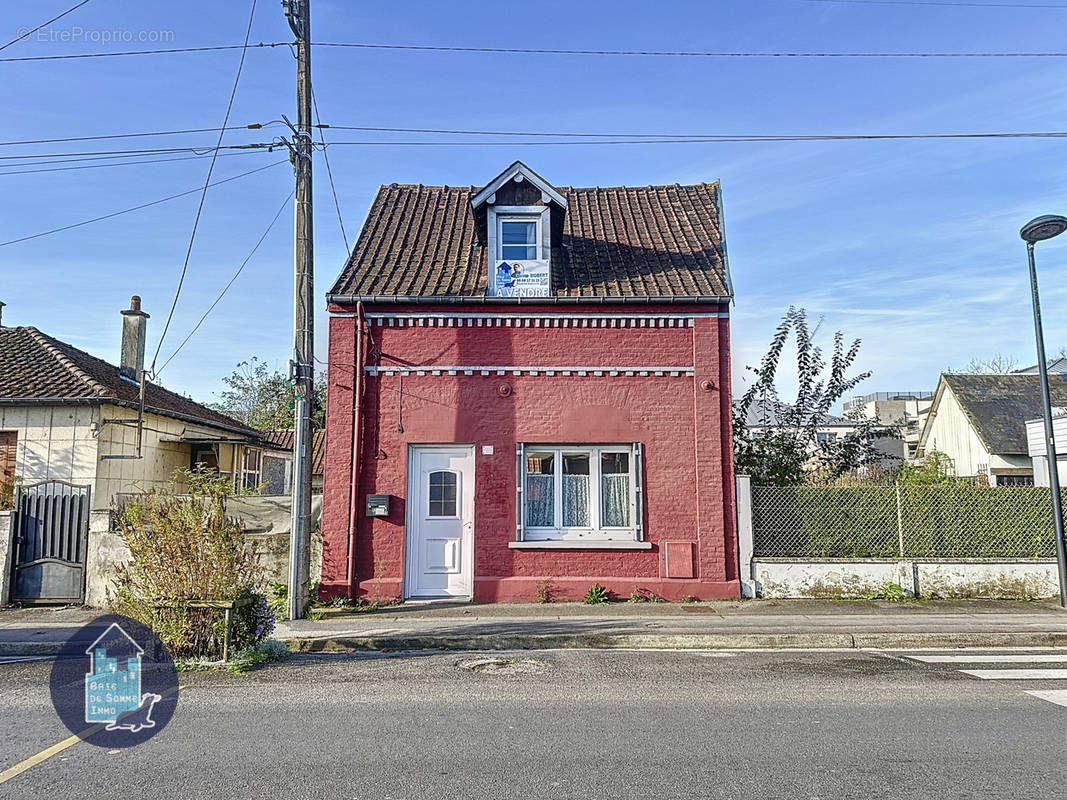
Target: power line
117,53
575,52
329,172
155,151
253,126
709,140
936,3
688,136
226,288
137,208
681,53
117,164
203,194
22,36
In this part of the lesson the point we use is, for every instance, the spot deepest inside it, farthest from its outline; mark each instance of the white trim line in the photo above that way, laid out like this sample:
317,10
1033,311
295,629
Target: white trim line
611,372
580,544
1057,696
543,319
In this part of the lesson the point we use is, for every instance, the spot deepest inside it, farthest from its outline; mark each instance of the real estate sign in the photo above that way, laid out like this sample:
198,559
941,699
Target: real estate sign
522,279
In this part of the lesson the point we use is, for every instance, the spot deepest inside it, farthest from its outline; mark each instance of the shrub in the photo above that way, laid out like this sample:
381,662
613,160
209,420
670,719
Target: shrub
544,591
183,548
597,594
641,595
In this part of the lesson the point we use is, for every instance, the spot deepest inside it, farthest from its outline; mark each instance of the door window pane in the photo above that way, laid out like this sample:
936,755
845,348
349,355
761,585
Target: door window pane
576,491
615,490
518,240
443,494
540,490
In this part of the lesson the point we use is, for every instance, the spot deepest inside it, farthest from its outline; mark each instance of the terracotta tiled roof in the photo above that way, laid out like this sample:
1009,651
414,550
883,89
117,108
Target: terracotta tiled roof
650,241
35,366
282,439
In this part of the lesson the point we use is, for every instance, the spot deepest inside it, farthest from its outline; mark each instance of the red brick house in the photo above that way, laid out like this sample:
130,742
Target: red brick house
531,383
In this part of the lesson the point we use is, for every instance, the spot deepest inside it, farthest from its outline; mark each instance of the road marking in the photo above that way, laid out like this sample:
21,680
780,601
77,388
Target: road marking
17,769
1016,658
1017,674
1057,696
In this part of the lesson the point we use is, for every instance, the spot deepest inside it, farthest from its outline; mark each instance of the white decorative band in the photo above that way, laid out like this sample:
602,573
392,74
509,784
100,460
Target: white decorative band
539,320
581,372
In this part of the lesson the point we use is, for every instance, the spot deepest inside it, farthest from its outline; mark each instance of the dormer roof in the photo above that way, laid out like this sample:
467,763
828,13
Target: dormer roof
522,172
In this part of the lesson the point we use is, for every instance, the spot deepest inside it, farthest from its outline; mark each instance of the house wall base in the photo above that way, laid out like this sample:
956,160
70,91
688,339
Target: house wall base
572,589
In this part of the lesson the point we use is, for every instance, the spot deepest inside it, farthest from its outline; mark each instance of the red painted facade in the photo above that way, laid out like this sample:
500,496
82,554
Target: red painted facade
681,421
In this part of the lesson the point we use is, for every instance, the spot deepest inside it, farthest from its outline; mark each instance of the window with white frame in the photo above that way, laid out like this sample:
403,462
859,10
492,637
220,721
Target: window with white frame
519,238
579,492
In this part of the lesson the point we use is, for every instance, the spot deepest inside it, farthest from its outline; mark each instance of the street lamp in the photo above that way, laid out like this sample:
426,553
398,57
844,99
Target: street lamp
1037,230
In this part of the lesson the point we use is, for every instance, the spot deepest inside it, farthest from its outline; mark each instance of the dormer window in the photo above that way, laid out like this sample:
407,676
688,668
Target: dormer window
518,230
519,238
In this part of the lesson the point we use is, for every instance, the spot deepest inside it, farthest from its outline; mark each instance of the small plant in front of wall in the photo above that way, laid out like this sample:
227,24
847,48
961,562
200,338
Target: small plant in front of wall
689,598
890,591
597,594
642,595
544,591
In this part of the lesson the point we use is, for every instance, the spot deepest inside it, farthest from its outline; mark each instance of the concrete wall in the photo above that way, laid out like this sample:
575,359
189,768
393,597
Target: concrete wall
682,422
53,442
267,522
929,578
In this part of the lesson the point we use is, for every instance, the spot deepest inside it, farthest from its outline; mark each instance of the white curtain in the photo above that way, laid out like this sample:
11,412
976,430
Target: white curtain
615,500
575,501
540,503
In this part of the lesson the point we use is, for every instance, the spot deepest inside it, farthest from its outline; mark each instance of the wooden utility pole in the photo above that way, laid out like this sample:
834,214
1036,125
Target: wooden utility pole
298,13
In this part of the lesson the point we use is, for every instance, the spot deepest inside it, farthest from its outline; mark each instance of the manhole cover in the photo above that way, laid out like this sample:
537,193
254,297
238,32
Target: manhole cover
505,666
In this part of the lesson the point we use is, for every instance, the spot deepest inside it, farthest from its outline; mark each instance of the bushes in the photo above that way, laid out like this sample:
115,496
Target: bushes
184,548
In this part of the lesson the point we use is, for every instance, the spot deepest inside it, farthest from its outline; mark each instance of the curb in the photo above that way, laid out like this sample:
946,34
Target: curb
708,641
30,648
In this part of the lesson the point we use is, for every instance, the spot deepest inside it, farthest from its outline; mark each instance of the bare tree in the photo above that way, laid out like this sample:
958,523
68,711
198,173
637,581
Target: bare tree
998,364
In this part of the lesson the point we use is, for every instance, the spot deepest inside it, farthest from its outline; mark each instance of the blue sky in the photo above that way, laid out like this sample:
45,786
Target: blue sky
911,246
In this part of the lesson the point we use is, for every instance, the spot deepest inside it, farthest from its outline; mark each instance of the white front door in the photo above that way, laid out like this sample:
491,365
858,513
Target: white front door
440,522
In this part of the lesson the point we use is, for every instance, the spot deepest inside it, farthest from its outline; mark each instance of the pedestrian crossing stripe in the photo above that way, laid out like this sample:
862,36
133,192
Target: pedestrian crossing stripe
1057,696
1017,674
1000,658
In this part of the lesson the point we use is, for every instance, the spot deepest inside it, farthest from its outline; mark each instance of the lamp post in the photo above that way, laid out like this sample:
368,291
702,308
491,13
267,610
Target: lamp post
1037,230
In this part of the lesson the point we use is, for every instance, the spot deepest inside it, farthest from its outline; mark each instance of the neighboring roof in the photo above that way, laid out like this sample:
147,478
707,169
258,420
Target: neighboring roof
282,439
39,368
622,242
998,406
1056,366
764,413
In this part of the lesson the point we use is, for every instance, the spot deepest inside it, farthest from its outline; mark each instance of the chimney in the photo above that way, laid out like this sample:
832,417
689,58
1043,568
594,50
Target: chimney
2,304
131,361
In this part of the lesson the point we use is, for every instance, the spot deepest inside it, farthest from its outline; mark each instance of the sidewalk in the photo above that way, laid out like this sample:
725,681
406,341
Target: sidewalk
716,625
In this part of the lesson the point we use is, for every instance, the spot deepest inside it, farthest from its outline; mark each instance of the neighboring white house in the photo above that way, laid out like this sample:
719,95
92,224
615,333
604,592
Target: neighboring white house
979,421
1035,440
67,415
903,411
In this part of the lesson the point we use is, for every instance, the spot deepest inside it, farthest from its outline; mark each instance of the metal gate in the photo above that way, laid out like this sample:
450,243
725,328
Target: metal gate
51,535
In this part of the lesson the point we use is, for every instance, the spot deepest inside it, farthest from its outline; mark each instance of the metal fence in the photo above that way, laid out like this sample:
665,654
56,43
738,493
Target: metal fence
902,522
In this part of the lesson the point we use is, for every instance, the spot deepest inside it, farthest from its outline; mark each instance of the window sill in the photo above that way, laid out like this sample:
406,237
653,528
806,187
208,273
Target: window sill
579,544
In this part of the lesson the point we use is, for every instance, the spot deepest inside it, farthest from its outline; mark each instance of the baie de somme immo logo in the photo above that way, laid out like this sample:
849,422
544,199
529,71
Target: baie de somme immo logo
114,684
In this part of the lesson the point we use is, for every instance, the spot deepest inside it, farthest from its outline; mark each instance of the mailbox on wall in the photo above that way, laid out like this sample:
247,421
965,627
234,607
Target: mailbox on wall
377,505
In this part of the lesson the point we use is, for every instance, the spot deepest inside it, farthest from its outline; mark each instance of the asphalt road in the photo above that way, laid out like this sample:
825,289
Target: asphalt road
566,724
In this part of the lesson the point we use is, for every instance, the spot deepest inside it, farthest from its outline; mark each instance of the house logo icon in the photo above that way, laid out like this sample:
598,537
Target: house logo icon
114,683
